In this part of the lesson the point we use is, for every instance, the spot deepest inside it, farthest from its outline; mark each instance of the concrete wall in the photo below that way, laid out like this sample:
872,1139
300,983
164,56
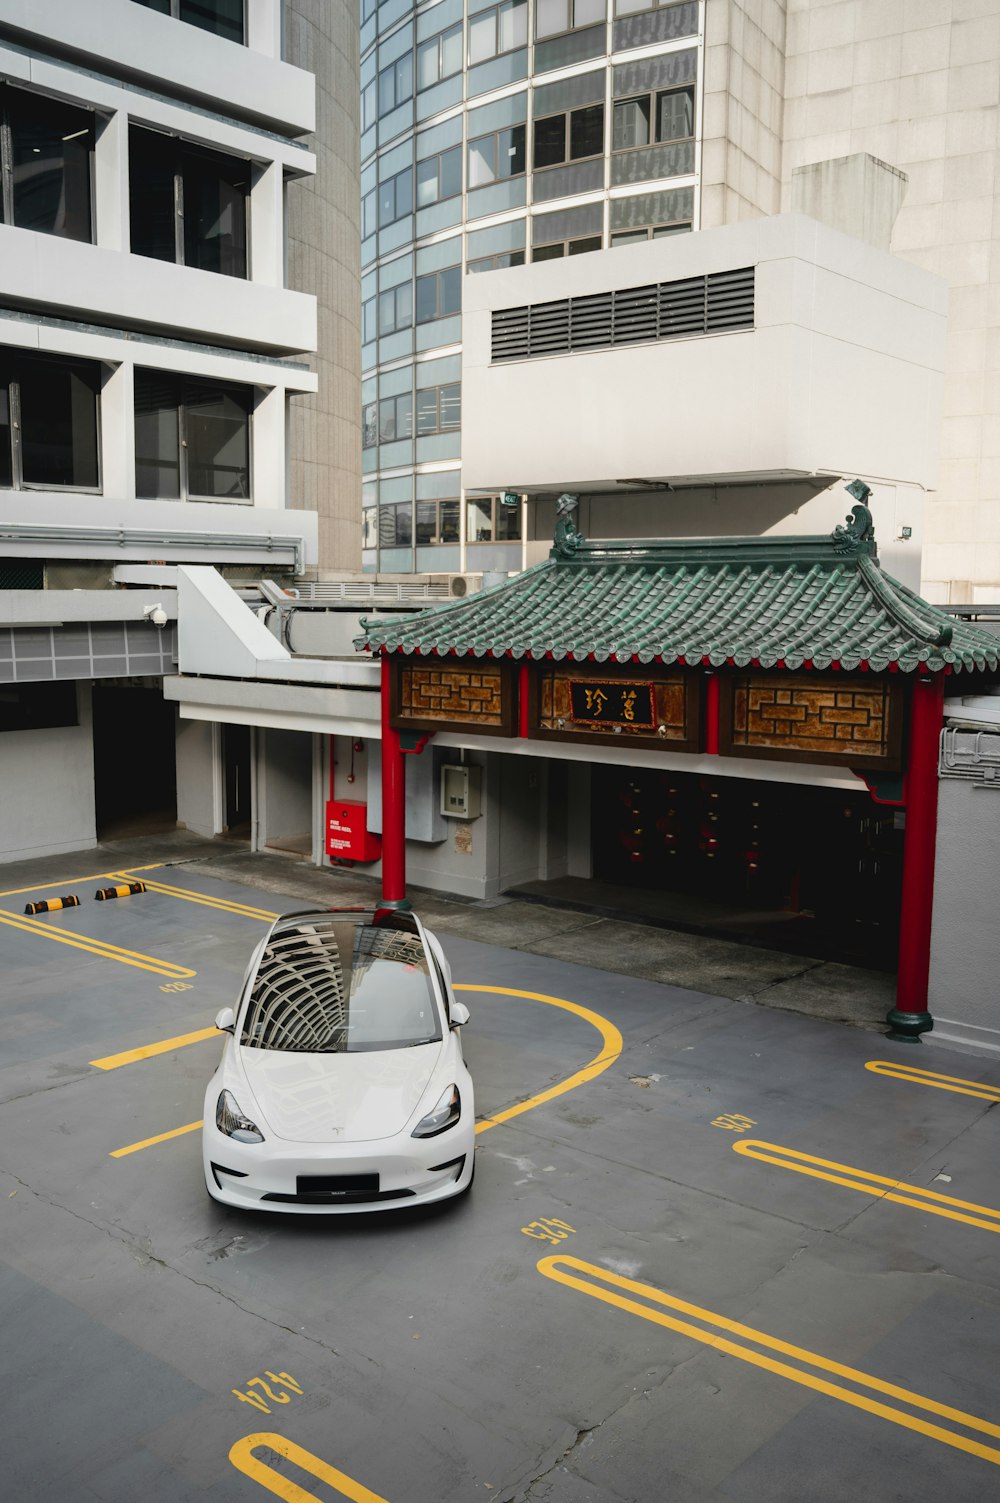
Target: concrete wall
47,779
965,939
324,257
197,793
839,376
284,786
742,108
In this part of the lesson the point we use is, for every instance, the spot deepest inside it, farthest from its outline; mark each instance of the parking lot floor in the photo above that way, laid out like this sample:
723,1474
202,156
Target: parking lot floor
720,1252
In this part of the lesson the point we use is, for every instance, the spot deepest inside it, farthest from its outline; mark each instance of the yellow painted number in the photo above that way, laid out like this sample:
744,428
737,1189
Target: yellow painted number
263,1472
732,1122
176,986
548,1229
282,1380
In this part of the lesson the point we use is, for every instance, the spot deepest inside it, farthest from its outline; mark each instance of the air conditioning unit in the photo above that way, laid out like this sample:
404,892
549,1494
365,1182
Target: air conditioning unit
460,585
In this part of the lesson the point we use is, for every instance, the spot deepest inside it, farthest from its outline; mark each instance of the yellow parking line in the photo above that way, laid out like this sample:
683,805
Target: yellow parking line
176,1132
870,1184
555,1268
97,947
68,882
609,1033
915,1076
242,1457
147,1051
227,906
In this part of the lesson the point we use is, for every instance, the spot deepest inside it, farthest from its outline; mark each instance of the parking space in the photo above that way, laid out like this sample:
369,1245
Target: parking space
713,1252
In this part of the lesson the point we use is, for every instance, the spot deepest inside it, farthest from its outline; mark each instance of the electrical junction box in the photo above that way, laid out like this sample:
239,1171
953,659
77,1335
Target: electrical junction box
460,791
347,835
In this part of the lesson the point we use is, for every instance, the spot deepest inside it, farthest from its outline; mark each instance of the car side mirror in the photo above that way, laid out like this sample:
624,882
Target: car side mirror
225,1021
459,1014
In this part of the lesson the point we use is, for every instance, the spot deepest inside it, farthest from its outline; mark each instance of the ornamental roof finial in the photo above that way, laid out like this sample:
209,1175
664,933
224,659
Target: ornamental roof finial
859,534
567,538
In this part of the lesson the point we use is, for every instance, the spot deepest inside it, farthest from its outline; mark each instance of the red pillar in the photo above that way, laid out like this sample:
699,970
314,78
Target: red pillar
393,806
712,714
910,1018
523,724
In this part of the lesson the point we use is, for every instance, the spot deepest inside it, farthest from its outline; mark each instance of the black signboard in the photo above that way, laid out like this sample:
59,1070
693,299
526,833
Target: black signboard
612,702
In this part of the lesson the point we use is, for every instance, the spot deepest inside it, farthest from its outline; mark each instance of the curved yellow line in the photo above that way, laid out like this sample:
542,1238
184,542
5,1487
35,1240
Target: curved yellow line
913,1075
609,1033
242,1457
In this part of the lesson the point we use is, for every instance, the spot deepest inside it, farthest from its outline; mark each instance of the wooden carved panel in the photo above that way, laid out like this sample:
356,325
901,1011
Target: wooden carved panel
441,696
579,702
850,719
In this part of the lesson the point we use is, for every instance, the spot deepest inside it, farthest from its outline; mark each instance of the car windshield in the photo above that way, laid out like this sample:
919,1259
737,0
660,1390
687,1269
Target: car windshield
338,983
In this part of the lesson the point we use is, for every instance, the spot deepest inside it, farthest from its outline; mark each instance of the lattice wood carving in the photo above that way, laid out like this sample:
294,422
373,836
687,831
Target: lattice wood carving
844,719
436,697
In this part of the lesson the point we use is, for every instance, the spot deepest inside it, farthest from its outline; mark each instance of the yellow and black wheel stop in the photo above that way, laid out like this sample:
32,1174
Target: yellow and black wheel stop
103,894
51,905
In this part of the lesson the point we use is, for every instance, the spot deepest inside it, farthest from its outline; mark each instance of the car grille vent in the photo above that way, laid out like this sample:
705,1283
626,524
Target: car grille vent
716,303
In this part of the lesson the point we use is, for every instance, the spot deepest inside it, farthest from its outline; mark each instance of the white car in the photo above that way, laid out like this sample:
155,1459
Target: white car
342,1086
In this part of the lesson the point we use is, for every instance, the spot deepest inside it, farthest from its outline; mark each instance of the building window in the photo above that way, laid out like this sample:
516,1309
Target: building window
369,214
664,116
439,294
439,409
369,527
37,707
557,248
488,520
569,137
395,525
223,17
395,84
439,177
395,198
187,205
369,104
555,16
651,232
369,425
497,262
192,438
502,28
440,57
46,150
395,417
496,156
395,309
438,521
48,422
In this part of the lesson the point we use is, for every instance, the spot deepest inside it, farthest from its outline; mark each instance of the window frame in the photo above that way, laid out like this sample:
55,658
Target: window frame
648,232
574,24
567,117
499,261
438,157
653,97
397,438
175,15
497,508
393,182
437,42
498,51
13,389
438,394
393,293
437,540
568,245
494,136
185,494
184,151
437,277
7,90
398,98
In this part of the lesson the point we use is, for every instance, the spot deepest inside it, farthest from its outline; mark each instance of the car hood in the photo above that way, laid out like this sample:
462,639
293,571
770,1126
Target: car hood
338,1098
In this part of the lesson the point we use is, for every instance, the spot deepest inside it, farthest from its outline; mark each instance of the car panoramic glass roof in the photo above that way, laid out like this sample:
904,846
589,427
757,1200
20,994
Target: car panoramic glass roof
339,983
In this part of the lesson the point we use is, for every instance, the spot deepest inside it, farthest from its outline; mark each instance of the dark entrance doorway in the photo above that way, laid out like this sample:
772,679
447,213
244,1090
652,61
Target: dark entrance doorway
236,768
816,871
135,781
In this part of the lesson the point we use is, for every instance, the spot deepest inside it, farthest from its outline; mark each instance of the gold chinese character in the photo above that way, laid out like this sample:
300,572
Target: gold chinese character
595,700
628,704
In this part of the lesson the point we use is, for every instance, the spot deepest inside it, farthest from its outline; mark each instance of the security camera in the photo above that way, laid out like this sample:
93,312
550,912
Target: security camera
156,614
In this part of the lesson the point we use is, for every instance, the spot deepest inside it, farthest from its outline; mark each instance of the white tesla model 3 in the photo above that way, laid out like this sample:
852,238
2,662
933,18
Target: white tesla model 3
342,1085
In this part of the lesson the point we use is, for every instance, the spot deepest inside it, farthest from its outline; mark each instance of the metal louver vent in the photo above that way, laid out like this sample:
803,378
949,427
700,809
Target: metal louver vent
711,304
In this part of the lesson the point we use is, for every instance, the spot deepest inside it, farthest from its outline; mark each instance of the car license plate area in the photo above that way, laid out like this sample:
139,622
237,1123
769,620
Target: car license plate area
336,1186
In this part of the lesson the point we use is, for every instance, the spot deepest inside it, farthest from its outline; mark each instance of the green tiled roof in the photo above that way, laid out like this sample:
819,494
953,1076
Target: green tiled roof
794,601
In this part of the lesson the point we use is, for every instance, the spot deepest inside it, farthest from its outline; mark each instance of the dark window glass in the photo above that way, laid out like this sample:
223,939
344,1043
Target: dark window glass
192,438
56,403
157,435
548,252
580,247
6,436
437,521
439,294
395,525
223,17
217,436
188,205
508,523
37,707
49,168
550,141
163,6
586,132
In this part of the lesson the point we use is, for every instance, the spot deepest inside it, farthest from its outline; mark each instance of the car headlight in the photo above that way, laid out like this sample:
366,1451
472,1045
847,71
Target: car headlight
230,1120
444,1115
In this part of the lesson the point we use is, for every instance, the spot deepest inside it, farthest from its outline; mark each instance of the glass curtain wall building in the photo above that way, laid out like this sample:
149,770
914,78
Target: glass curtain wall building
492,135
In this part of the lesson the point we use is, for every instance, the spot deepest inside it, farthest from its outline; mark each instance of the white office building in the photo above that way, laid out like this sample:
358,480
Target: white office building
169,210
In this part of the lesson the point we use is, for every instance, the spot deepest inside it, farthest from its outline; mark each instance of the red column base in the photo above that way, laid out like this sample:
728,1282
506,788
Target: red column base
906,1027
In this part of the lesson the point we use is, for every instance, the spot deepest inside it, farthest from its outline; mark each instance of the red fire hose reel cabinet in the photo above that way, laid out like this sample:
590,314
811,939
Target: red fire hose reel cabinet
347,835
